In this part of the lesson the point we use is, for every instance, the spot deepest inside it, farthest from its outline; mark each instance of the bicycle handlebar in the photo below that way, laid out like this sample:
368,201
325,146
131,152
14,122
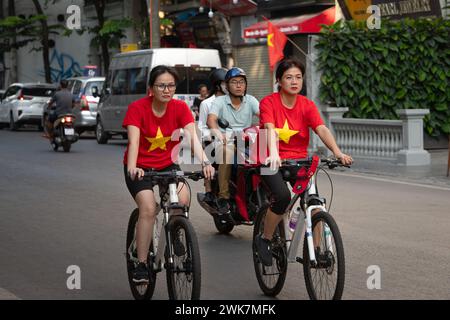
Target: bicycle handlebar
193,175
331,163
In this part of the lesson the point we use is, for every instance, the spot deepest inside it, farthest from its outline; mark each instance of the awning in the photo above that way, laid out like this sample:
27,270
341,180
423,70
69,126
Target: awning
227,7
308,23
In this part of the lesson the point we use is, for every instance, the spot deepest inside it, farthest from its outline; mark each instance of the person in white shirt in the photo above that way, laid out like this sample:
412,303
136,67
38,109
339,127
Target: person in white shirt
218,88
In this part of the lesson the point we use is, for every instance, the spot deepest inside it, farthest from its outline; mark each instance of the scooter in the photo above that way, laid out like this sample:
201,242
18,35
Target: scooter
64,134
247,195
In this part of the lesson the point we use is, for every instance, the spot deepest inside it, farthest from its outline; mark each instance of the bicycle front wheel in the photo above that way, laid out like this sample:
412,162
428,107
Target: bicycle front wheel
325,280
184,273
139,291
270,279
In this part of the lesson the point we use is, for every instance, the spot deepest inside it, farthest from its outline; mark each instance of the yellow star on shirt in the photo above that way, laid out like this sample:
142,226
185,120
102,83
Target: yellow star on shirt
159,141
270,40
285,133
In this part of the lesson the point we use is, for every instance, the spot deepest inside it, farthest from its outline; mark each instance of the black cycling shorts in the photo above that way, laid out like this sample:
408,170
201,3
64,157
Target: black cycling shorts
135,186
280,191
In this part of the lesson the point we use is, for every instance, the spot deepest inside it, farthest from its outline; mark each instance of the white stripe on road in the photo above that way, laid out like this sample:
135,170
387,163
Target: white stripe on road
6,295
387,180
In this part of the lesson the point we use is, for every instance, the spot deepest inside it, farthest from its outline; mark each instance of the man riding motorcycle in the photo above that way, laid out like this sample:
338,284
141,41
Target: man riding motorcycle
63,101
237,108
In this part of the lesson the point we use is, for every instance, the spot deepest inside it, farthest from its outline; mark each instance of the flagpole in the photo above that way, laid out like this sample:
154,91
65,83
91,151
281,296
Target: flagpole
293,43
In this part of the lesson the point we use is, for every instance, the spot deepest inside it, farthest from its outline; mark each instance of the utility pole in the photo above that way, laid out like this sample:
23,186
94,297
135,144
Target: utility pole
153,9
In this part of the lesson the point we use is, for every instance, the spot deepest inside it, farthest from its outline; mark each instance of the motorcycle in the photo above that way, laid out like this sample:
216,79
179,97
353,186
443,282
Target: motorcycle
64,134
247,195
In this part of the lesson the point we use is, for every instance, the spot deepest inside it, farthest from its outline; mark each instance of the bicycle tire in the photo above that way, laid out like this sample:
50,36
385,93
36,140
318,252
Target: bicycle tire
279,261
338,252
191,264
139,291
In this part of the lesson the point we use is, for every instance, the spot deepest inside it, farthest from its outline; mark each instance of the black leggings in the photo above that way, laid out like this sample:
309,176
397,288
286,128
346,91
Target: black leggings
280,193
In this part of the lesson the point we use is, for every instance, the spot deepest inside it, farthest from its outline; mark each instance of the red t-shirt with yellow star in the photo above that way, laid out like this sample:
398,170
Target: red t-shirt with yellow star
292,125
155,144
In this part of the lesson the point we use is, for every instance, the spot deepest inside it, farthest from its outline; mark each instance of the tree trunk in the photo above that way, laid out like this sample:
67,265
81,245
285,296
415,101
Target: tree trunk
13,54
100,10
45,46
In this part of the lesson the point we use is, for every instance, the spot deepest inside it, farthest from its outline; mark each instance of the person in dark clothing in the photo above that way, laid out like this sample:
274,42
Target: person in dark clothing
63,101
203,91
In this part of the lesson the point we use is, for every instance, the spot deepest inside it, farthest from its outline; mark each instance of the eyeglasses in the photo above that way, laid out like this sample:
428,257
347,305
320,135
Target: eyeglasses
162,86
235,83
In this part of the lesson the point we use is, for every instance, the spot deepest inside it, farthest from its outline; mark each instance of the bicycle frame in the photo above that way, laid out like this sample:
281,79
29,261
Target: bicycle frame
169,201
293,242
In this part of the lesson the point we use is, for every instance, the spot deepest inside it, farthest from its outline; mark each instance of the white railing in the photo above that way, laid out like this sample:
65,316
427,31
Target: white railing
369,138
395,140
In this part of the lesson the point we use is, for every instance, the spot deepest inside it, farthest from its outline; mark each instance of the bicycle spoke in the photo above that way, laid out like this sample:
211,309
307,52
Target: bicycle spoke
323,278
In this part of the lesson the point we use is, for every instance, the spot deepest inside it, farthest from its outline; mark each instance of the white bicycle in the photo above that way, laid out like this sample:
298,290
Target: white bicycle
323,251
174,245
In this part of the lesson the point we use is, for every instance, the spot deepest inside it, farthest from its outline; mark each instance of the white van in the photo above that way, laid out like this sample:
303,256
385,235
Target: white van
128,78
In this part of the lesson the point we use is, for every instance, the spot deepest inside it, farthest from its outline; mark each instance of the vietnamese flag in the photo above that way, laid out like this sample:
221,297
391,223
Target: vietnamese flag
276,40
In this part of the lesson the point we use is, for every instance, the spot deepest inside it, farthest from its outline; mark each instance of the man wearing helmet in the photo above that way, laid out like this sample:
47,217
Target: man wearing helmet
218,88
237,108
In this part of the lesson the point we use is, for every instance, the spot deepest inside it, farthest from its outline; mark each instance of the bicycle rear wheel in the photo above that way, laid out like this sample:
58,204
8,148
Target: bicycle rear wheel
325,281
184,274
139,291
270,279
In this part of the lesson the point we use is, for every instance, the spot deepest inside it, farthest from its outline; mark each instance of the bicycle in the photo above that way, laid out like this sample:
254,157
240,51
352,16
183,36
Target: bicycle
174,245
323,250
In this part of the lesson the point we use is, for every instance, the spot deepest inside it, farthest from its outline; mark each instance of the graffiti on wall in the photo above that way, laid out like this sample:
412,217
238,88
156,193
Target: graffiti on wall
63,66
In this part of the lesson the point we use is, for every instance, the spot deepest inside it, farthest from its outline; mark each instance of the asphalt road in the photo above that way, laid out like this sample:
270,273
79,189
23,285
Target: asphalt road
63,209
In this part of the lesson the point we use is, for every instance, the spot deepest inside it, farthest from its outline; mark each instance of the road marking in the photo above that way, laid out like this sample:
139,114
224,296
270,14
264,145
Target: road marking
6,295
391,181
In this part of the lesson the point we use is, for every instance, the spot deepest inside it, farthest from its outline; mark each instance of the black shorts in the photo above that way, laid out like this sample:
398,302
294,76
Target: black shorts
135,186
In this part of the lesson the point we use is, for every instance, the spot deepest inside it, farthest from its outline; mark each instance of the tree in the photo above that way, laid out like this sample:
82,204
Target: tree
45,46
108,32
17,32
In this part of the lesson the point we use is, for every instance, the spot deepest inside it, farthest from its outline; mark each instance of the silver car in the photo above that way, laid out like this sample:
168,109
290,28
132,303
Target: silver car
24,103
85,103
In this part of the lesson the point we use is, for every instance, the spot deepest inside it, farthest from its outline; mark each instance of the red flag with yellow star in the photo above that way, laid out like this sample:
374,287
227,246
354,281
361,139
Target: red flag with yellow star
276,40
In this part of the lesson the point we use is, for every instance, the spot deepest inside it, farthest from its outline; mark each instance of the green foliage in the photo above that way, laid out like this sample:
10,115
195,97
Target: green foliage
403,65
112,31
26,30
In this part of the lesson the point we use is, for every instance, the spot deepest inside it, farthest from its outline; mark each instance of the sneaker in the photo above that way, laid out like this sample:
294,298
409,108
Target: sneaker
264,249
223,206
210,199
140,274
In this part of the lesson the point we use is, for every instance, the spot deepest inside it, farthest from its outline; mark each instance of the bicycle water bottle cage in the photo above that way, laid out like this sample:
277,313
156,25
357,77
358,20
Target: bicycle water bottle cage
304,175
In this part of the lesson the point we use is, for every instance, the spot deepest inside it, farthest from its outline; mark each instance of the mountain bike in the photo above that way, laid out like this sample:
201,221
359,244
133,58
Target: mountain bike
323,257
174,245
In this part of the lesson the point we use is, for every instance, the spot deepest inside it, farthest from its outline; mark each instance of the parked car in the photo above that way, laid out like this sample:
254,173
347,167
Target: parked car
24,103
128,77
85,107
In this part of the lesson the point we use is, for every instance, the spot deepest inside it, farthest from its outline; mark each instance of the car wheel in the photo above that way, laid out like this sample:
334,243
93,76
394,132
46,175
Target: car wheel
100,134
12,125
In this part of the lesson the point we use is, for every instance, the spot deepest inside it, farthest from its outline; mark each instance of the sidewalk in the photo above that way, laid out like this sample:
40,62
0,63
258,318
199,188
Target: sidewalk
435,174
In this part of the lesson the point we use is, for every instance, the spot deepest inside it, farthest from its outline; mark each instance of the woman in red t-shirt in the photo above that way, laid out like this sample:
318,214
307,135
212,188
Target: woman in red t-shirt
151,122
287,116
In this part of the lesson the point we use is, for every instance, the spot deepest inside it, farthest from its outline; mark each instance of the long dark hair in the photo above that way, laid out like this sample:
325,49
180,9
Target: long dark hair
159,70
285,65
